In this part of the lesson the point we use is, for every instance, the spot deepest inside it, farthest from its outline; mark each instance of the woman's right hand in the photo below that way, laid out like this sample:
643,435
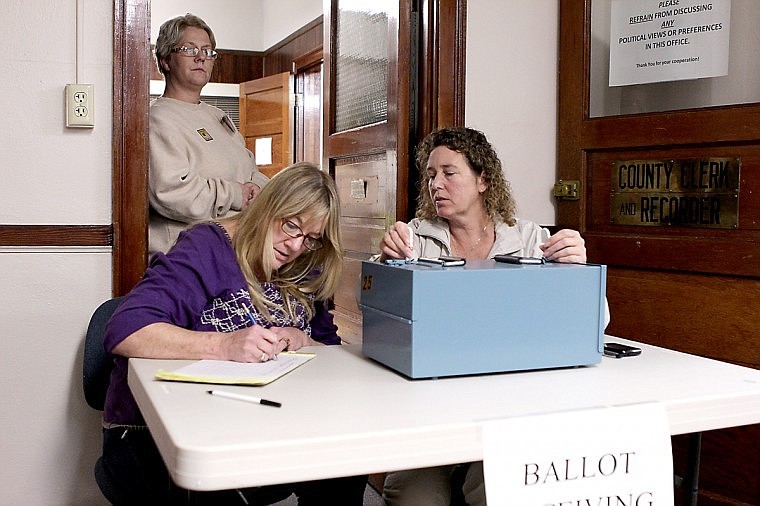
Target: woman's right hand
251,344
396,242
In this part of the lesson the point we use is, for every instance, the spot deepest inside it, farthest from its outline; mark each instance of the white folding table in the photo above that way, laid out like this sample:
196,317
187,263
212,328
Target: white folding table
343,414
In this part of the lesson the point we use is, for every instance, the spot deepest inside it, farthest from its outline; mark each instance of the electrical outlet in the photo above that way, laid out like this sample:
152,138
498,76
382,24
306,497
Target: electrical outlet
80,105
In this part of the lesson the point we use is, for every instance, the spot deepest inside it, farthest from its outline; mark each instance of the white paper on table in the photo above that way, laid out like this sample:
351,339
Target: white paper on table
237,373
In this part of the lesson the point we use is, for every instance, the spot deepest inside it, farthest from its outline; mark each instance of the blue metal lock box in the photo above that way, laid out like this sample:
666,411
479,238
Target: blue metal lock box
428,321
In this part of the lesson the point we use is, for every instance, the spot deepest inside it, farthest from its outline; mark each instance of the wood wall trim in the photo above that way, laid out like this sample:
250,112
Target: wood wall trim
443,32
736,124
130,144
316,23
56,235
307,60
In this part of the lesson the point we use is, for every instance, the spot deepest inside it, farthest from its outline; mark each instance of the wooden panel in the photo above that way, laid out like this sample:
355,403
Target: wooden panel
237,67
262,111
366,188
131,76
690,249
348,295
266,111
308,129
429,34
56,235
371,175
714,313
686,288
349,326
279,58
362,235
279,160
347,313
442,65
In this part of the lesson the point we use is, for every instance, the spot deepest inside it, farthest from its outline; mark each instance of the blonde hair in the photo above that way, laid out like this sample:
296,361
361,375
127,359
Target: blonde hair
481,158
170,34
298,190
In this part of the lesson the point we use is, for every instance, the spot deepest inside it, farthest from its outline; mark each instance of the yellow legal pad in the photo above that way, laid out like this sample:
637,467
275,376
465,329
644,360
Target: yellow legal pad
224,372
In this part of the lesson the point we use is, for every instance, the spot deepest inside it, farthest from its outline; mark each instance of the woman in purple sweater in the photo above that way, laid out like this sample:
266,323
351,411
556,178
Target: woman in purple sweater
278,262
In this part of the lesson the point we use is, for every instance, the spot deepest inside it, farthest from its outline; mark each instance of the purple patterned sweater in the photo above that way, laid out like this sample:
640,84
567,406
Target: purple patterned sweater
197,285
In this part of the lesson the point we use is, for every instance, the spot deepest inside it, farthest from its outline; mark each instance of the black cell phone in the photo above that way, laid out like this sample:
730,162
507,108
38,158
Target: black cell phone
513,259
443,261
619,350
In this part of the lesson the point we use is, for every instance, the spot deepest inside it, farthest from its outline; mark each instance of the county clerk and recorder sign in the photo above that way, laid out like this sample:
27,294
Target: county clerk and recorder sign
692,192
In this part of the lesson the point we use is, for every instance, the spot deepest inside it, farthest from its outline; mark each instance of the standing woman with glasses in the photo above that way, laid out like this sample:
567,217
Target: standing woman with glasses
272,264
200,168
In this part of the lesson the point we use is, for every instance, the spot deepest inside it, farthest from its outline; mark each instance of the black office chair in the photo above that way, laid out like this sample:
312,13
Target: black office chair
96,370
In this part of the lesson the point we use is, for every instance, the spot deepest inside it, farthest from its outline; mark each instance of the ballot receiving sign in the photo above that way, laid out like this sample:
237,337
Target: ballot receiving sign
617,455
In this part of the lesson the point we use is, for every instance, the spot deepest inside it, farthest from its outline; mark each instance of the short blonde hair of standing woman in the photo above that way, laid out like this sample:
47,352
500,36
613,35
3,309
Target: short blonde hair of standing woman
170,35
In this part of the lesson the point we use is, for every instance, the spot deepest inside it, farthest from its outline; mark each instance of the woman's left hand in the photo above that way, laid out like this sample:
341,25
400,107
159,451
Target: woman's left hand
250,190
292,339
565,246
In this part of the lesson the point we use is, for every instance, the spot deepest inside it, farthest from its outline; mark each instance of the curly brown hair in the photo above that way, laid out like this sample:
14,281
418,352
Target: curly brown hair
481,158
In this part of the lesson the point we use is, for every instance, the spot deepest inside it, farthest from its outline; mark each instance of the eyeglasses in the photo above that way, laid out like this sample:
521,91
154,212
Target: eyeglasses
193,51
294,231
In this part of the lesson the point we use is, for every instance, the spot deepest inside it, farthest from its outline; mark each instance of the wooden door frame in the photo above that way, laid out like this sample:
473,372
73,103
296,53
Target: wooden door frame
313,61
692,290
131,78
441,102
579,135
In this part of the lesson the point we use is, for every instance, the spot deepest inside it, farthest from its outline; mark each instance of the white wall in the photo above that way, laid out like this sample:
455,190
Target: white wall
51,175
511,94
251,25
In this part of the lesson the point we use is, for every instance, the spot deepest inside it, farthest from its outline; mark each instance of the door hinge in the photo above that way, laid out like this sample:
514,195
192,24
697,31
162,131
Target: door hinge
567,190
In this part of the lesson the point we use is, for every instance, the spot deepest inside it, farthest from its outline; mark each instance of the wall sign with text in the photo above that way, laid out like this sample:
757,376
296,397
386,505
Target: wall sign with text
668,40
692,192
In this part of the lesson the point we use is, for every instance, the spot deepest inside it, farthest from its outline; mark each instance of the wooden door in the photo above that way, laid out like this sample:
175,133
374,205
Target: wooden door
682,283
308,129
367,101
266,121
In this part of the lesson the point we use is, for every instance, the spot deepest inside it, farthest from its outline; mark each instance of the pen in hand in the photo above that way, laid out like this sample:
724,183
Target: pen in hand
246,398
253,320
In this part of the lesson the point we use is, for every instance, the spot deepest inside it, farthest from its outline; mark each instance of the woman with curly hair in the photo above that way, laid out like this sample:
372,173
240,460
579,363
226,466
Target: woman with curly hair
466,208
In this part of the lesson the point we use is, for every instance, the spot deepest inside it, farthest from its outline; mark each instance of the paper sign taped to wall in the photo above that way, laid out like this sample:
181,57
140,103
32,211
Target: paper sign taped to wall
668,40
263,151
611,455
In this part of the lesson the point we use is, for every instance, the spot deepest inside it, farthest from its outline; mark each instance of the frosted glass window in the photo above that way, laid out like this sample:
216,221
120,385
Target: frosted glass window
361,66
740,86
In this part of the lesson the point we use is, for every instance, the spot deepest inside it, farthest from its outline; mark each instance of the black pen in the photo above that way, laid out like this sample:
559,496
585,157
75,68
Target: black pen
246,398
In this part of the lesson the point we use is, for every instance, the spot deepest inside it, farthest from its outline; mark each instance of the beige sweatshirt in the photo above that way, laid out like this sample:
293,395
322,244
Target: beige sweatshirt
198,161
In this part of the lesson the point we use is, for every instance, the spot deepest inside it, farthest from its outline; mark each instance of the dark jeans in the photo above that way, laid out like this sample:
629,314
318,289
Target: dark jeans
135,474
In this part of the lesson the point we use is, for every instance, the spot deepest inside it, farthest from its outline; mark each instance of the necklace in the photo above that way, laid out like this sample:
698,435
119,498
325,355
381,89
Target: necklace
472,247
